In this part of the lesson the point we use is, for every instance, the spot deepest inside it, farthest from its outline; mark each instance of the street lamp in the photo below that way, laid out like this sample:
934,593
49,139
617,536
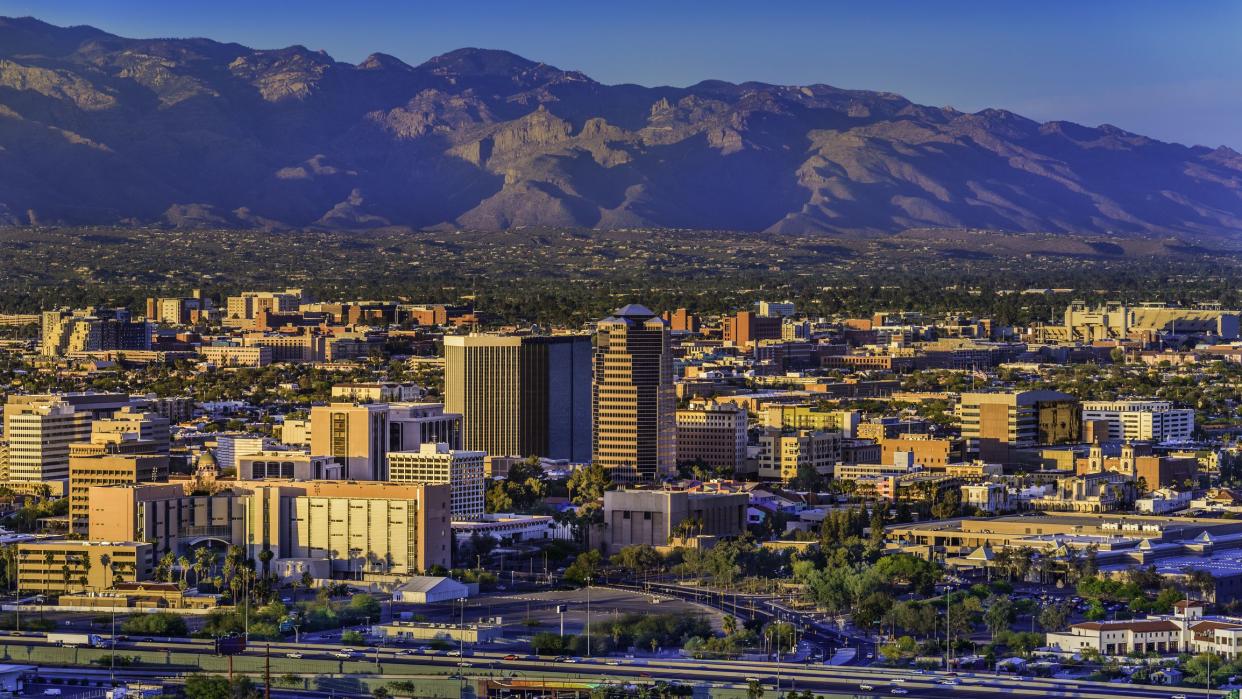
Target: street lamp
588,619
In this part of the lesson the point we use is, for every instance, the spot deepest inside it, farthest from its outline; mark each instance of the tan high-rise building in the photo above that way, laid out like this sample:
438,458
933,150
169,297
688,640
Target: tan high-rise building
633,401
107,469
993,424
356,435
714,435
521,395
39,436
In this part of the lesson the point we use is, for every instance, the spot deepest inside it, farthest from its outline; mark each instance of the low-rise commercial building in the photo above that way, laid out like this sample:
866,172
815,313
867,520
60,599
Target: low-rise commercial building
70,565
655,517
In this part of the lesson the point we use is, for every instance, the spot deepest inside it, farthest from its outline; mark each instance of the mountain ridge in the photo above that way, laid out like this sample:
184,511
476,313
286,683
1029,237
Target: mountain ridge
101,129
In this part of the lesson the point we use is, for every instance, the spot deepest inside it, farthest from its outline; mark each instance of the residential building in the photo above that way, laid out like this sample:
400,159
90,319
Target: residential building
437,463
714,435
782,454
237,356
633,404
66,332
656,517
521,395
377,392
1142,420
806,417
241,311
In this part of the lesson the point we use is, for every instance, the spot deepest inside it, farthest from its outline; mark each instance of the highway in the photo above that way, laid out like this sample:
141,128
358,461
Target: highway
398,663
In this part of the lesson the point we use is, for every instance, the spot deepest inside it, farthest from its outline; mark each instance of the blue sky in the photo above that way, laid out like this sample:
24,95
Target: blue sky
1170,70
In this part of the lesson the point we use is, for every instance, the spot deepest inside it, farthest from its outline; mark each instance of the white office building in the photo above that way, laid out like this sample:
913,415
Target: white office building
1141,420
436,463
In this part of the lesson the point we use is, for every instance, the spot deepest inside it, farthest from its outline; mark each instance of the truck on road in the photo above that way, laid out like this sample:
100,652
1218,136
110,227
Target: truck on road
74,640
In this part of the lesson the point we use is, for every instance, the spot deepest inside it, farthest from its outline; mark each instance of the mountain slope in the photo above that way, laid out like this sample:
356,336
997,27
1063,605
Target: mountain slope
99,129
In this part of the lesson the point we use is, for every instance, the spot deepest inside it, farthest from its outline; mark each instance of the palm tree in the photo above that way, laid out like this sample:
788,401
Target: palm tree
200,564
184,564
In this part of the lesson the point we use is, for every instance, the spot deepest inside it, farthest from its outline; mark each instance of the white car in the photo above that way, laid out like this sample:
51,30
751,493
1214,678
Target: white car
295,656
1178,696
899,690
866,687
51,692
342,654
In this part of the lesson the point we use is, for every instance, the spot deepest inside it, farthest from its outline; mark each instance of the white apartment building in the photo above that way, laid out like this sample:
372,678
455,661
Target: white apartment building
436,463
231,446
39,435
1141,420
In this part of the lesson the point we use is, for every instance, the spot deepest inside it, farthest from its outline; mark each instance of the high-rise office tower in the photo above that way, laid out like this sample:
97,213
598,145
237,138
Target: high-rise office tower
521,396
356,434
633,403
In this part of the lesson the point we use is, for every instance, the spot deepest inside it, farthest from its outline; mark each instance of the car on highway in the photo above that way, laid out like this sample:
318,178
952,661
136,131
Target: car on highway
948,682
51,692
899,690
1178,696
342,654
612,662
866,687
295,656
454,654
510,656
464,663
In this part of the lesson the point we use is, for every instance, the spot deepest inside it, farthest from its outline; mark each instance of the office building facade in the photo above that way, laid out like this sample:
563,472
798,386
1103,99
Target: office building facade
633,401
521,396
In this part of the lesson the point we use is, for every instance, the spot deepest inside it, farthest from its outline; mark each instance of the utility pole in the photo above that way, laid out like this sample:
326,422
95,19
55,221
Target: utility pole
267,672
112,644
588,621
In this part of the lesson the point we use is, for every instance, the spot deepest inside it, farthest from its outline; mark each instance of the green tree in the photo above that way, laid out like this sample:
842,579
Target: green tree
1054,617
999,615
586,566
588,484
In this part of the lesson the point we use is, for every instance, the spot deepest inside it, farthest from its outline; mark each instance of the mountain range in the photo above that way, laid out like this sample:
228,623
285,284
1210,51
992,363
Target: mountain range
101,129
